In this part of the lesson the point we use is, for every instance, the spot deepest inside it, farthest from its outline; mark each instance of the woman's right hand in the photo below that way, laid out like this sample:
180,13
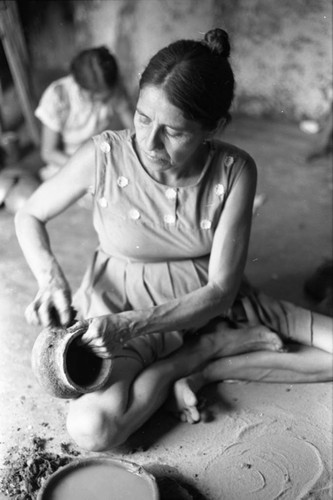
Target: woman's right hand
52,305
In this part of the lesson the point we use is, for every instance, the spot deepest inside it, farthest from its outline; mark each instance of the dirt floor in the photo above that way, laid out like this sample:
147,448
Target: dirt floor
264,441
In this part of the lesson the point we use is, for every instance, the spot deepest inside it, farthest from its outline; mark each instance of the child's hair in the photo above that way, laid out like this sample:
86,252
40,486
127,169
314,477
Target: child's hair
95,69
196,76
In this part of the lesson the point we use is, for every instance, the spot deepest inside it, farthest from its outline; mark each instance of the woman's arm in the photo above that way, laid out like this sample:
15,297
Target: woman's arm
53,299
226,266
51,148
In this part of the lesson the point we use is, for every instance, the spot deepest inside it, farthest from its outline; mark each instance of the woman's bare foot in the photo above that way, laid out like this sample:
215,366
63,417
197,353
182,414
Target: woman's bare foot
185,397
226,341
231,341
258,338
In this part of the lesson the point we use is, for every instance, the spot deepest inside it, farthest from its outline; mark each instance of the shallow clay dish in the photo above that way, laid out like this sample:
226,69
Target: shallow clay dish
100,479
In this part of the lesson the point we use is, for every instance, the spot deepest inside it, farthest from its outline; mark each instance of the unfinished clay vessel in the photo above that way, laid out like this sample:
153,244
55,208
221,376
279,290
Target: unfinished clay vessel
63,367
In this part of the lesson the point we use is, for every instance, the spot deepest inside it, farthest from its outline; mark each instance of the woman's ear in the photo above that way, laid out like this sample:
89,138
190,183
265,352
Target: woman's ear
218,129
221,125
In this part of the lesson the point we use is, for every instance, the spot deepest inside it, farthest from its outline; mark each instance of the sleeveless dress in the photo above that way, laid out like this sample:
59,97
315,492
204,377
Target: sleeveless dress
154,240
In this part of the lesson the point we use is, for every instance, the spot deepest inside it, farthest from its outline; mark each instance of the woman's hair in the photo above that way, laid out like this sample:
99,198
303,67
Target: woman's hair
95,69
196,76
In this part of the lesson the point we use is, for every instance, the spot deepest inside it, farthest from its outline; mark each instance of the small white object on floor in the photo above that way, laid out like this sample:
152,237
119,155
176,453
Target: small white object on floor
309,127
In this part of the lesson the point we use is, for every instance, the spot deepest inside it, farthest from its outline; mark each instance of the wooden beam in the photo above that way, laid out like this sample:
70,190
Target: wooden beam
14,57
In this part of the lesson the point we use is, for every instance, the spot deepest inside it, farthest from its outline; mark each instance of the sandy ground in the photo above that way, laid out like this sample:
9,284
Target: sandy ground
263,441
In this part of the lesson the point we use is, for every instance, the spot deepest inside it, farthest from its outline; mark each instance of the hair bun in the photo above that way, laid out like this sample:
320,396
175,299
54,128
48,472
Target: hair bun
218,41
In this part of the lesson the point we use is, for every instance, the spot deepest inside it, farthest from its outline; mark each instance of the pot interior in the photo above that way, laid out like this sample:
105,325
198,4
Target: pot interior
83,367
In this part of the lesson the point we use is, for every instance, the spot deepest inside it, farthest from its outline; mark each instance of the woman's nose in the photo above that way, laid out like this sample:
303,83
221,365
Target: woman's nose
153,140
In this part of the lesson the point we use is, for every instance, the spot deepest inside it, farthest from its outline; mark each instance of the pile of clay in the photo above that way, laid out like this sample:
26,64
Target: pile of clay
27,469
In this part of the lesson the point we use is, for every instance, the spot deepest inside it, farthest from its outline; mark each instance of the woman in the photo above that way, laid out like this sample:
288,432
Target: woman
72,109
172,210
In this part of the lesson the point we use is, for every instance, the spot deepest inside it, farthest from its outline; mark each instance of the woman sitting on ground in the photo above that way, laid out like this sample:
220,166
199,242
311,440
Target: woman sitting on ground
164,295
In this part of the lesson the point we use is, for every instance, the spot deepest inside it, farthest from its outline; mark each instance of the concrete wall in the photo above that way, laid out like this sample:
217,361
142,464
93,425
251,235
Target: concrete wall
281,49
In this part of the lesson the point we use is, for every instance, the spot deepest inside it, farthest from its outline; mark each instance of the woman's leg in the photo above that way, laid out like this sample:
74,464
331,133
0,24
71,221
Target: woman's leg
293,323
309,361
304,365
322,332
104,419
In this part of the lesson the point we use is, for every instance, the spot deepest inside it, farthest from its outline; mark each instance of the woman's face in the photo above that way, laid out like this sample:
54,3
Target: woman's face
165,139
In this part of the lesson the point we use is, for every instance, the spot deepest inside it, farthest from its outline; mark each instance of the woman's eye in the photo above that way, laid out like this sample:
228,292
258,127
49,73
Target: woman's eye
174,135
143,119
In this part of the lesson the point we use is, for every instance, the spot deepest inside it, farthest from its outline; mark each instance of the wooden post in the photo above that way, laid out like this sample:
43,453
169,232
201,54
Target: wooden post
1,117
16,52
15,20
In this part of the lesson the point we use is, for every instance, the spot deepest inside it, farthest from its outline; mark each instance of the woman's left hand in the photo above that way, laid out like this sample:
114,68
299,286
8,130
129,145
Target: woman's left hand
106,334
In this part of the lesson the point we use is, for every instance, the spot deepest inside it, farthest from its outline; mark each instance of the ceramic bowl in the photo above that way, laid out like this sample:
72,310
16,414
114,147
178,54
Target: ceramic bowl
100,478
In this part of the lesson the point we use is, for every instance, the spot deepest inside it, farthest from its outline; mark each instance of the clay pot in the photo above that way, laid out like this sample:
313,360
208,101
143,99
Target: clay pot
63,367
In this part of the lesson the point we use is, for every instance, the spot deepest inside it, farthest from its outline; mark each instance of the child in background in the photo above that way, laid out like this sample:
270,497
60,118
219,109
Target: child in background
72,109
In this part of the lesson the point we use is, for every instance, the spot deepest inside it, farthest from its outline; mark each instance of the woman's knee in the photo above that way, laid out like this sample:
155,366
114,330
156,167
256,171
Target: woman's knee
92,428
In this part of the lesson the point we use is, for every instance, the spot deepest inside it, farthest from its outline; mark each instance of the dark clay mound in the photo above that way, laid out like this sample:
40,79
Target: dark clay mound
27,469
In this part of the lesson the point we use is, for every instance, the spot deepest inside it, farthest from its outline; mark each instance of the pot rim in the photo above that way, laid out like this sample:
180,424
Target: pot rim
129,466
105,363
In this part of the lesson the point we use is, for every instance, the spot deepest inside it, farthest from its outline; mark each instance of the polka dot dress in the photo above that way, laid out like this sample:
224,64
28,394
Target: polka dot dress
154,239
